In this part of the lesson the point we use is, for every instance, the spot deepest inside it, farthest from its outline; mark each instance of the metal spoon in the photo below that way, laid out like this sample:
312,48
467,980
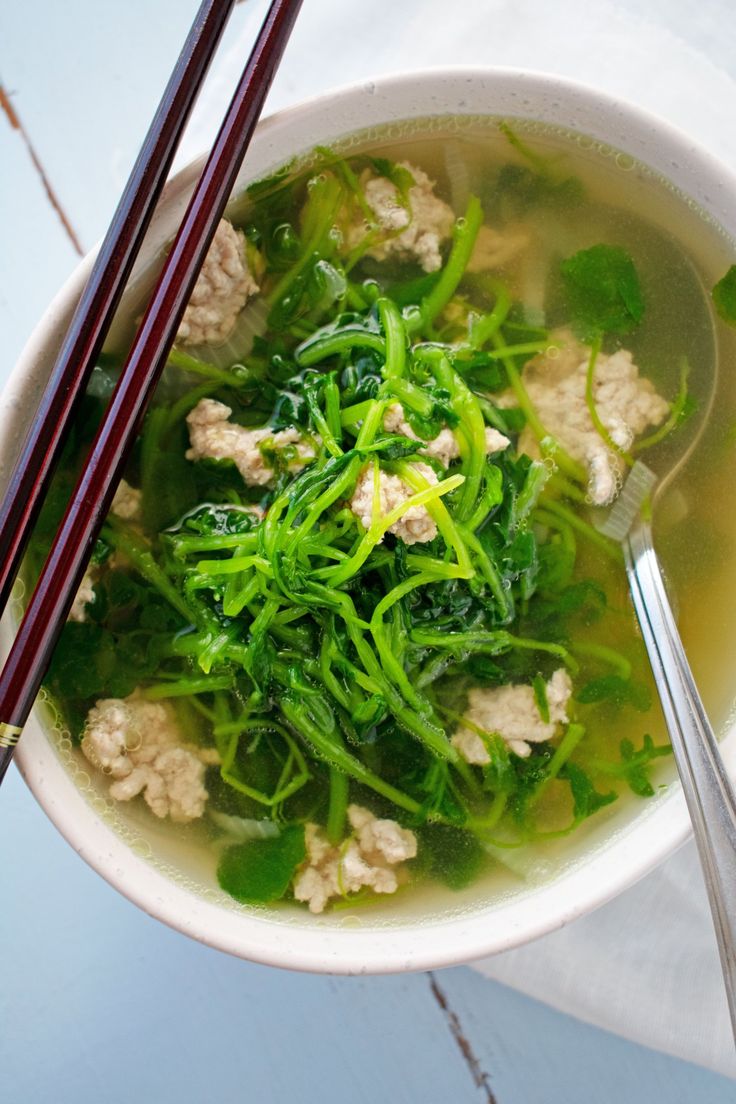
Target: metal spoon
709,794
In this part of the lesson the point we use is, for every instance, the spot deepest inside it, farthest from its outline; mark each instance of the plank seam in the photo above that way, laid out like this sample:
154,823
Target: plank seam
480,1077
16,124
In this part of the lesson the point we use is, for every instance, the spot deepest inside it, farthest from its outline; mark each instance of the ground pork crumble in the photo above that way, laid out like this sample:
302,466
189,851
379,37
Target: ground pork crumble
512,713
138,745
626,403
213,436
126,505
417,230
370,857
416,526
223,287
496,248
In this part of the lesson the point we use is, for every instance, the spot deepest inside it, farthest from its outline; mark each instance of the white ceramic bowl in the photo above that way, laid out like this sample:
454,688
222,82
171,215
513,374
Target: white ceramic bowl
610,854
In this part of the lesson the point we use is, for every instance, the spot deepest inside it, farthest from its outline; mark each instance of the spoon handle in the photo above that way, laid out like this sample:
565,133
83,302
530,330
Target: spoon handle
708,791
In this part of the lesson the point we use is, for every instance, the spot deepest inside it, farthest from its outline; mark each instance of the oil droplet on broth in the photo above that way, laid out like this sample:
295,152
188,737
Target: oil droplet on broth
142,848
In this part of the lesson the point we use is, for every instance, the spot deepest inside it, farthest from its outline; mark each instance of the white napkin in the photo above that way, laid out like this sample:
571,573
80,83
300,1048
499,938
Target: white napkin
645,965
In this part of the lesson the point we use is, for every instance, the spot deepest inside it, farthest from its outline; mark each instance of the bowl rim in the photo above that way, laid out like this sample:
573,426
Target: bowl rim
575,890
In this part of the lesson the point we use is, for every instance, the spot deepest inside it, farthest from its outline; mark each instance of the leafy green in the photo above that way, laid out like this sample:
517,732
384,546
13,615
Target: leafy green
168,480
500,775
414,290
531,773
603,291
261,871
540,696
538,183
634,765
90,662
454,857
519,189
724,296
617,690
587,800
481,371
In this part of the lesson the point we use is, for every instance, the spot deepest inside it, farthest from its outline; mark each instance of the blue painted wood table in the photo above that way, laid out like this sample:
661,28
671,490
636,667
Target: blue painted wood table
97,1001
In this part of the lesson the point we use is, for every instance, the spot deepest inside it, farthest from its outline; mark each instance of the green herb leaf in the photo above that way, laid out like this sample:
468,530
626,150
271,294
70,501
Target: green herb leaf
166,479
454,857
499,774
262,870
616,689
212,520
724,297
587,799
603,291
519,189
88,663
635,763
540,696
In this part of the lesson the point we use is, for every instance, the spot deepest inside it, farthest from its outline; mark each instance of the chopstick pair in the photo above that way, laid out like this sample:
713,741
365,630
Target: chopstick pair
62,573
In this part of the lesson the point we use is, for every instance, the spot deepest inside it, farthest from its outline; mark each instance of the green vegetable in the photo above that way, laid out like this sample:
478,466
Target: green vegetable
617,690
327,657
634,765
724,296
603,291
586,798
91,662
454,857
538,183
261,871
540,697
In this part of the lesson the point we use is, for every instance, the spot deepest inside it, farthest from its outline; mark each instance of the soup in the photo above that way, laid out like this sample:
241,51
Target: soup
352,630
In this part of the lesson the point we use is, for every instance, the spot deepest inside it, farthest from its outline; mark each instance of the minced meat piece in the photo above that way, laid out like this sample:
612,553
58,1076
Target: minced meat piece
416,230
626,404
223,287
85,596
127,502
371,858
212,436
495,248
137,744
416,526
512,713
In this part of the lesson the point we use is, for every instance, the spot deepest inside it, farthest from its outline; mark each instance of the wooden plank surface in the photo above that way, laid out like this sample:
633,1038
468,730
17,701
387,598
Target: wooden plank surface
98,1002
85,78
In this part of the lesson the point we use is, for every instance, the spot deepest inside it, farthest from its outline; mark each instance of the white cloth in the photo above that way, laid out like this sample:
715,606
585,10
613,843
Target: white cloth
645,965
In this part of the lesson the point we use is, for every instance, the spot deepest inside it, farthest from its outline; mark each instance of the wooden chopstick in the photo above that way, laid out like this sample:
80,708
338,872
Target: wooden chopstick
41,450
63,571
